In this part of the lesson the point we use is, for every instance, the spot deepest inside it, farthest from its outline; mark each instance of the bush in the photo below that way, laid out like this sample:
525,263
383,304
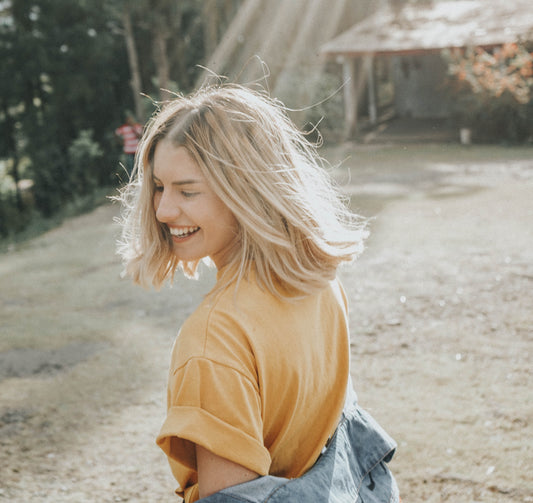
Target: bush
61,177
493,92
49,171
503,119
85,157
13,219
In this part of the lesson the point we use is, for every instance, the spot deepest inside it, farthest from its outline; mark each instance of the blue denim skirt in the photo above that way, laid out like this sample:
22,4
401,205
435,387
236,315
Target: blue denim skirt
352,469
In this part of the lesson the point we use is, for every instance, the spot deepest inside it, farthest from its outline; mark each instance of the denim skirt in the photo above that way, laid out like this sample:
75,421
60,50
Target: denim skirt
351,469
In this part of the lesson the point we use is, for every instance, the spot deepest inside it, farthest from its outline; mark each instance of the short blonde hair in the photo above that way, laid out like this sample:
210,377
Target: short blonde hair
294,226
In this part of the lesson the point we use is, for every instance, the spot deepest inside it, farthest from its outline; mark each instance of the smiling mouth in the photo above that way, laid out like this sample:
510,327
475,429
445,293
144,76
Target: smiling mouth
183,232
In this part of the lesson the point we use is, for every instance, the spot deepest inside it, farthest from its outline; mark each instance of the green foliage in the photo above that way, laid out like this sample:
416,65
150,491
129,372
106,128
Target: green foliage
85,156
327,109
28,224
502,119
181,24
493,92
50,175
12,220
14,216
64,71
65,84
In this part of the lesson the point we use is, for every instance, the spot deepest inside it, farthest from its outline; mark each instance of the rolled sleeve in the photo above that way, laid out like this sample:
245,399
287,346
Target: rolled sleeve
217,407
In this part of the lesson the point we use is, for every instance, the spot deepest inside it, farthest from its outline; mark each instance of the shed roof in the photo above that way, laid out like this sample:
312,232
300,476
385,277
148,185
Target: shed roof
437,26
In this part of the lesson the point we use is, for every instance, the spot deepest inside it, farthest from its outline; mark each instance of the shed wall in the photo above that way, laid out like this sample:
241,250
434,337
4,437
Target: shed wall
419,82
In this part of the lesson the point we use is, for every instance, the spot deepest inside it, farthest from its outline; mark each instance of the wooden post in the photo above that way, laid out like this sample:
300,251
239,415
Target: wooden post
350,97
372,102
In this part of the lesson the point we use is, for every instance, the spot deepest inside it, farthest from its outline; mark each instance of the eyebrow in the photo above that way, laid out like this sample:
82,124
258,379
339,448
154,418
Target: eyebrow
190,181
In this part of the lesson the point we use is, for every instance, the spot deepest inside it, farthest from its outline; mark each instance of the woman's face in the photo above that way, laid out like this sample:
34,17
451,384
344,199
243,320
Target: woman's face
201,225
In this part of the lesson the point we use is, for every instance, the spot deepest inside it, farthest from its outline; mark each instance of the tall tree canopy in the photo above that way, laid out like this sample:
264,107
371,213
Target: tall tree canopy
71,69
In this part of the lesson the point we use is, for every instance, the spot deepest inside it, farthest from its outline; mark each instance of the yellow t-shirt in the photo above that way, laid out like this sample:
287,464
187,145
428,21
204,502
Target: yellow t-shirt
256,380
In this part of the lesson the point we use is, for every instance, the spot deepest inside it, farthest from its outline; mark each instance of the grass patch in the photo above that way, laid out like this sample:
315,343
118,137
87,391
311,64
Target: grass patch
39,225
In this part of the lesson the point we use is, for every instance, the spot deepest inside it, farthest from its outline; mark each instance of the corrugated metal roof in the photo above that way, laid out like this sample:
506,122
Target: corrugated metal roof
458,23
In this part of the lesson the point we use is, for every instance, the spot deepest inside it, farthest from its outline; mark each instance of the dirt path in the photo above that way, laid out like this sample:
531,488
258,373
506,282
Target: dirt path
442,342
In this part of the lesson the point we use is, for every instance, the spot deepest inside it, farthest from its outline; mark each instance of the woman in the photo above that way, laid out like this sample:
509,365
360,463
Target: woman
259,377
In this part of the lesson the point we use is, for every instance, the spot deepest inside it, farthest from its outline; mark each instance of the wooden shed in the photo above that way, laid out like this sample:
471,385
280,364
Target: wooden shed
406,45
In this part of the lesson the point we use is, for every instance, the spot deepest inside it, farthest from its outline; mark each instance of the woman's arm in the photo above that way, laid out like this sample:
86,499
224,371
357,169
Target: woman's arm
216,473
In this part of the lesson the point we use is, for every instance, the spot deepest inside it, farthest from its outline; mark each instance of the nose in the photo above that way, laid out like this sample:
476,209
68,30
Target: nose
166,208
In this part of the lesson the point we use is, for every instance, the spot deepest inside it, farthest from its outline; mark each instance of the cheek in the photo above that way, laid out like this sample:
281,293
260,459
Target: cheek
231,224
224,214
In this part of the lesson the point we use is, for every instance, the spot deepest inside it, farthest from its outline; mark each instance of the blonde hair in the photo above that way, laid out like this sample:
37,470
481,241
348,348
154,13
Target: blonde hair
294,227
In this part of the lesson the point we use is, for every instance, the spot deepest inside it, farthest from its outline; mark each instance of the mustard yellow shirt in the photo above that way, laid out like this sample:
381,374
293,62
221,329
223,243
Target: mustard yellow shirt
256,380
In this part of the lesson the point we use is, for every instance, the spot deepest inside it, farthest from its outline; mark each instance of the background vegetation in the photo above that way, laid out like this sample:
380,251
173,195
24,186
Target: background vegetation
71,69
494,91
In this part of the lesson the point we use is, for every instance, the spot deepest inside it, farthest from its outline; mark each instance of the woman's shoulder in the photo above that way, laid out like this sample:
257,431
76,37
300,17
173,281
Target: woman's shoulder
219,328
249,298
232,319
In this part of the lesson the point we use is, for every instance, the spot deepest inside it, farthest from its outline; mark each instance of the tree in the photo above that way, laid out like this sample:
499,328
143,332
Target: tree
493,91
62,73
71,68
133,59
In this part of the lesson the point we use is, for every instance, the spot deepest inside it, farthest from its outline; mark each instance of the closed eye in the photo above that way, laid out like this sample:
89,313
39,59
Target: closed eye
184,193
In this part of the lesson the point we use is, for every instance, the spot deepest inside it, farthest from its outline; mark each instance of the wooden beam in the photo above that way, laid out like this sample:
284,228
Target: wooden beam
372,102
350,97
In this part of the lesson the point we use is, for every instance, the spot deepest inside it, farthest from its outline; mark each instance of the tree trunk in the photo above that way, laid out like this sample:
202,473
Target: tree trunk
212,21
230,40
16,178
13,153
133,60
397,8
160,37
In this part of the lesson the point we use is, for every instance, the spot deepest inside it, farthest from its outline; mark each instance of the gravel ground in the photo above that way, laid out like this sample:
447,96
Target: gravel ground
441,321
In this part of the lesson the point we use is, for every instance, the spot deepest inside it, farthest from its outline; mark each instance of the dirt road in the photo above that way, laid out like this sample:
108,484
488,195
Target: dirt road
441,321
